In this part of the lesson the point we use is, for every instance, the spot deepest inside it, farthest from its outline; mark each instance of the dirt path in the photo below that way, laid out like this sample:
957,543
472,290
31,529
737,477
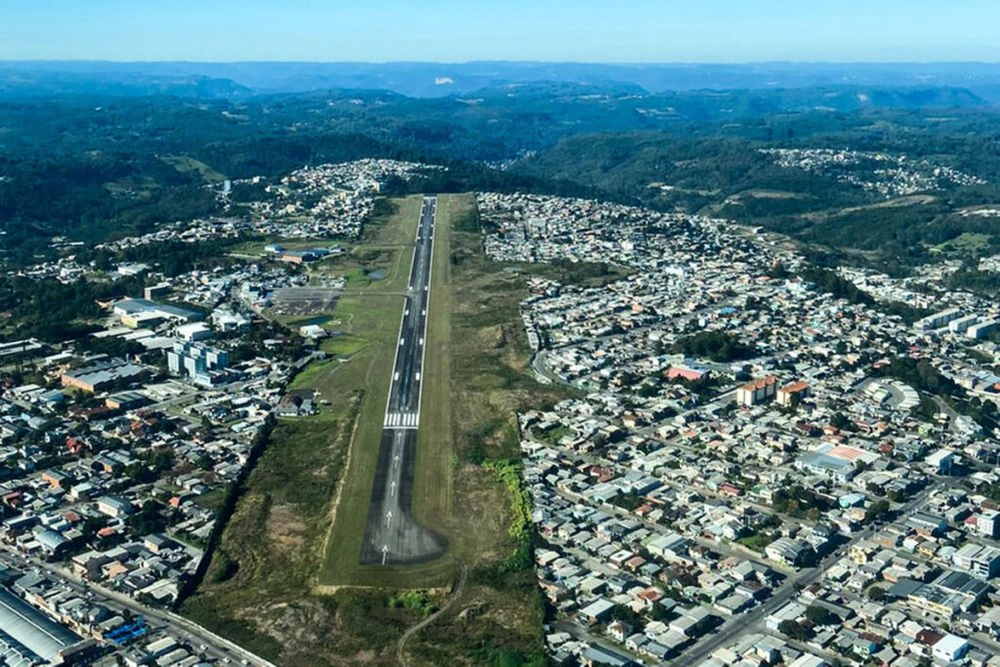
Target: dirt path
455,595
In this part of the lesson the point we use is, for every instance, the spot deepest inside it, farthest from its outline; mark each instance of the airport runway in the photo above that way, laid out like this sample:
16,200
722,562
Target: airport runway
392,536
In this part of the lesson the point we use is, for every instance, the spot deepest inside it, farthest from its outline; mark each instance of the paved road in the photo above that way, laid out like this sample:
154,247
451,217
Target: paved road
216,647
392,536
754,620
452,599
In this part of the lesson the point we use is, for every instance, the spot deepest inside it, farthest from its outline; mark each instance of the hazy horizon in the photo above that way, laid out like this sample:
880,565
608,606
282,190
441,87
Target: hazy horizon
447,31
510,61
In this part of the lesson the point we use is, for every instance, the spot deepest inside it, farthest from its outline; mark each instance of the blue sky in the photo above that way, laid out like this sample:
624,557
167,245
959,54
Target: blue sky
457,31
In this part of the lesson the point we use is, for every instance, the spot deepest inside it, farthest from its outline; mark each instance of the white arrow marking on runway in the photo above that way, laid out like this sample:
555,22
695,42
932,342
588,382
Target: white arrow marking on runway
392,489
385,553
388,517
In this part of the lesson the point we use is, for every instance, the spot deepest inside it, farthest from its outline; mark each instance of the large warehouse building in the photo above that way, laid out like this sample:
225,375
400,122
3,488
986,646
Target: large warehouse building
29,637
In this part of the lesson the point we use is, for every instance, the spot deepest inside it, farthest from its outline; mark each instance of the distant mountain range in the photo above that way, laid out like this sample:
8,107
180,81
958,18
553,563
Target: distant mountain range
979,81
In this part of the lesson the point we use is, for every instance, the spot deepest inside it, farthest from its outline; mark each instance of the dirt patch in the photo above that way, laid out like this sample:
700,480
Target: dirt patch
482,506
285,529
491,336
303,622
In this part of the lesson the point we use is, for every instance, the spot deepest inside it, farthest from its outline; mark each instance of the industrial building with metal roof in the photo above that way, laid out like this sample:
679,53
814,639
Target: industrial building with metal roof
27,636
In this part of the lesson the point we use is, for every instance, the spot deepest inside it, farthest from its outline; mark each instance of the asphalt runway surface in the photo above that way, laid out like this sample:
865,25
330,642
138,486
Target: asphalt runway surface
392,536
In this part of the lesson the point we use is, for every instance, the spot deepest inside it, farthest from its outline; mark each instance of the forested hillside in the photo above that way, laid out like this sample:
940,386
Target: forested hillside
96,164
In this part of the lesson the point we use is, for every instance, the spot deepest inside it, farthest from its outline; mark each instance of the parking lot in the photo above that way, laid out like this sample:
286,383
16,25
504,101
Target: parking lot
299,301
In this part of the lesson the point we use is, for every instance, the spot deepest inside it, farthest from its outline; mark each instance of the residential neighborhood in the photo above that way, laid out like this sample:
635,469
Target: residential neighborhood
750,475
882,173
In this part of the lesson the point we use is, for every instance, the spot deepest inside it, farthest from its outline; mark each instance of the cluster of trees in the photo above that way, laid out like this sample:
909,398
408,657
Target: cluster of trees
984,412
628,501
91,198
815,615
832,283
520,529
718,346
799,501
54,311
86,168
921,375
878,510
148,519
416,600
970,279
171,258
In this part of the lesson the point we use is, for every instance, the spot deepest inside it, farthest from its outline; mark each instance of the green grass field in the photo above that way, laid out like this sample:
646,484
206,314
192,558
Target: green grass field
967,242
186,164
258,247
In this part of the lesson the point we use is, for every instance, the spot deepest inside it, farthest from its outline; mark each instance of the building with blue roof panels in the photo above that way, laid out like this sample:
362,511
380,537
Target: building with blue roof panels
27,632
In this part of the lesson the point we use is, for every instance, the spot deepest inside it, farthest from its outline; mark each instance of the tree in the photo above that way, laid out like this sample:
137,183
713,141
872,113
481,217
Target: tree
877,594
622,612
820,615
877,510
841,421
147,520
660,613
793,630
875,489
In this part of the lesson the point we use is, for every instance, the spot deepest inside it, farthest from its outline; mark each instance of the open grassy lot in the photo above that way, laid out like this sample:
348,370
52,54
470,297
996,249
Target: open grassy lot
388,247
258,589
185,164
967,242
